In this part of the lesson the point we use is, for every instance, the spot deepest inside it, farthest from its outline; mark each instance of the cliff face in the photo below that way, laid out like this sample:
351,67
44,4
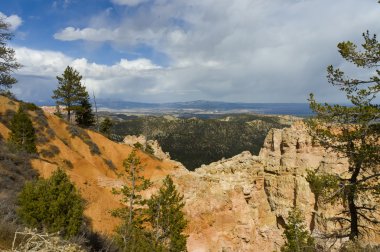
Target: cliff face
242,203
228,208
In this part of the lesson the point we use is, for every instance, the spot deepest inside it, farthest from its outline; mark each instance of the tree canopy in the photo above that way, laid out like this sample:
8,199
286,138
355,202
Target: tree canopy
131,233
354,132
53,204
165,213
154,224
22,135
8,62
105,127
70,92
84,115
297,237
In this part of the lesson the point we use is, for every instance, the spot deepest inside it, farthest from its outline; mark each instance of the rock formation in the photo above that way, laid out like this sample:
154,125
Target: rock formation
157,150
242,203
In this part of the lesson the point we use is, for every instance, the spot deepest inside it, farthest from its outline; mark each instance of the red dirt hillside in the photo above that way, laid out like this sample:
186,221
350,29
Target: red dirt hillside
90,159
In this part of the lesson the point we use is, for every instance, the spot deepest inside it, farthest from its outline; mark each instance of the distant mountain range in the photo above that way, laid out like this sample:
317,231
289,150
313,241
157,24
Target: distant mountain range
199,106
300,109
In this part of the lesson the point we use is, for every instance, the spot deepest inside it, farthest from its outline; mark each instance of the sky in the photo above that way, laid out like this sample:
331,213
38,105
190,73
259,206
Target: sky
176,50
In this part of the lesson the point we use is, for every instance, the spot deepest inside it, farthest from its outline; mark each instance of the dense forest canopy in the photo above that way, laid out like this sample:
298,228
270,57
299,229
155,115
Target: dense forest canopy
197,141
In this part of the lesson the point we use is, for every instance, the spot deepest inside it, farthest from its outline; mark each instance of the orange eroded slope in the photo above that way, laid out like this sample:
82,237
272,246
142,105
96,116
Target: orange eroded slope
90,172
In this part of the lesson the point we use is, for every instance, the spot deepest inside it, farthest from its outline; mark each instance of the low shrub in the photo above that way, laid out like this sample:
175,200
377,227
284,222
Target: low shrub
42,139
94,149
51,152
8,224
74,131
68,164
46,153
149,149
50,133
7,117
30,106
53,204
138,145
110,164
54,149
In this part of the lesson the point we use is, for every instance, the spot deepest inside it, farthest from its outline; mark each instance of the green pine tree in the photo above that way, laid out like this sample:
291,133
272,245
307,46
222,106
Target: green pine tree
58,111
105,127
22,134
84,115
353,132
131,234
8,62
53,204
70,91
297,238
167,218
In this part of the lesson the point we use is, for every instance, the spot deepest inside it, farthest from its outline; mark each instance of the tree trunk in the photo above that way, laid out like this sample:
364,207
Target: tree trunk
132,195
354,233
354,230
96,112
68,115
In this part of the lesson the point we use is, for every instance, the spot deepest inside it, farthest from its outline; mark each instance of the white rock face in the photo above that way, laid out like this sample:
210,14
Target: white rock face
131,140
242,203
157,150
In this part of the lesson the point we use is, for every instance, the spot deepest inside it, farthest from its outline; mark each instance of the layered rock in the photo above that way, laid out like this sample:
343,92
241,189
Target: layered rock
227,207
287,154
242,203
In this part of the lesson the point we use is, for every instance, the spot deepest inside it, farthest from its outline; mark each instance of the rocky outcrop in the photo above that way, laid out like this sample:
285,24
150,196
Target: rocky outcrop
287,154
131,140
157,150
227,207
242,203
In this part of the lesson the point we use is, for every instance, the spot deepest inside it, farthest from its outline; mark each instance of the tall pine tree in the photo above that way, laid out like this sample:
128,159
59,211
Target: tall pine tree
22,134
131,233
167,218
70,92
84,115
105,127
353,132
8,62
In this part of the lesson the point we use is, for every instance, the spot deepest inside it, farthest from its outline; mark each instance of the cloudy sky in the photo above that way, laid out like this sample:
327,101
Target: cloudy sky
183,50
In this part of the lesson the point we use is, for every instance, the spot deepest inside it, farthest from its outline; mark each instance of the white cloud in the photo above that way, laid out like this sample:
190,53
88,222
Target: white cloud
38,76
129,2
13,20
139,64
91,34
241,50
41,63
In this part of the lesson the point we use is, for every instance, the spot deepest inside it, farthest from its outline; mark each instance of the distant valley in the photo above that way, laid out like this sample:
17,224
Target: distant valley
198,140
201,108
